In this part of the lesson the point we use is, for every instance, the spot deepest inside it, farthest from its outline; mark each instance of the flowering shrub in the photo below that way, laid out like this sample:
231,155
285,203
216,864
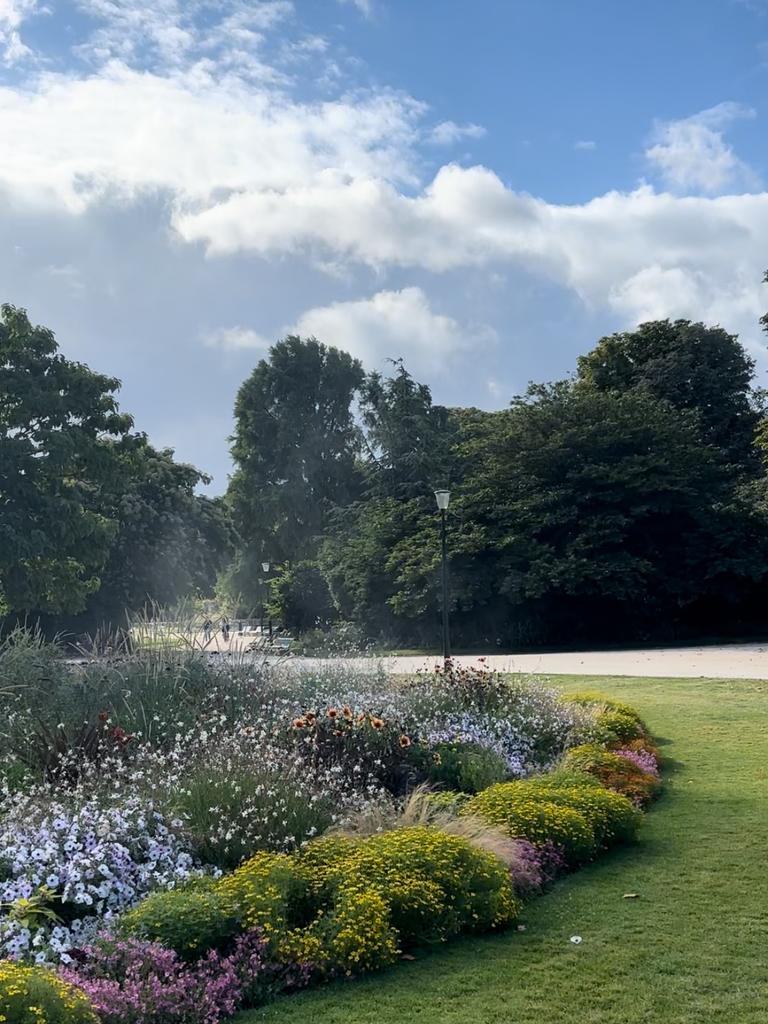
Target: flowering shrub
614,772
34,995
614,819
643,759
137,982
87,863
526,815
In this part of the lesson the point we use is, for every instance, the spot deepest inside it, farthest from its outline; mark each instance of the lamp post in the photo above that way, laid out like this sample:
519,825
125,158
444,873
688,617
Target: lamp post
266,567
442,498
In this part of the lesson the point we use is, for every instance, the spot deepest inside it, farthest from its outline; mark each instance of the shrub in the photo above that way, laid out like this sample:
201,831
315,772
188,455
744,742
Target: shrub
434,884
466,767
565,777
189,921
233,810
34,995
271,893
533,817
614,721
612,816
643,759
614,772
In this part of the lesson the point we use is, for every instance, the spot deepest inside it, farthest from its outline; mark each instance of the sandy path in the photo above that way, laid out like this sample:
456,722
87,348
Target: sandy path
732,661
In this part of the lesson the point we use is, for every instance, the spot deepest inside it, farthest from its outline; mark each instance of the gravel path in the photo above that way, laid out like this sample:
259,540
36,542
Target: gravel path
731,661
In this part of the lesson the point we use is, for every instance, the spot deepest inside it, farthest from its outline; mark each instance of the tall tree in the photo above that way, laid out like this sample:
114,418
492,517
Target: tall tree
382,554
694,367
294,448
55,418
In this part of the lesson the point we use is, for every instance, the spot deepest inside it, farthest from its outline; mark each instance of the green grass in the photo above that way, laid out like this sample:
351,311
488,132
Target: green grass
691,948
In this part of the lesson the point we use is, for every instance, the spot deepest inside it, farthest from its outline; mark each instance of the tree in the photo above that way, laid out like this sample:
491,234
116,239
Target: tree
408,439
695,368
169,542
608,512
56,417
381,556
294,449
301,600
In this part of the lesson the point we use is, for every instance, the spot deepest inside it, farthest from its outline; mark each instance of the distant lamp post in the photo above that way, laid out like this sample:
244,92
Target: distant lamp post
443,498
266,567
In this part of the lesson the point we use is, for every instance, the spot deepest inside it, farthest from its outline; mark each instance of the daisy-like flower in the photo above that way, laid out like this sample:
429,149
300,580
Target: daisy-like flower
333,713
405,742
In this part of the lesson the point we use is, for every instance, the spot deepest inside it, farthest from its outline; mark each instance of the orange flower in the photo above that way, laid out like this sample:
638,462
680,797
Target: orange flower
311,717
347,712
360,718
299,723
333,713
377,723
405,742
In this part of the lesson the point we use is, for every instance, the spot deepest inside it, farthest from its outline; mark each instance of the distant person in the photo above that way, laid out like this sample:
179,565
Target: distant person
207,628
225,629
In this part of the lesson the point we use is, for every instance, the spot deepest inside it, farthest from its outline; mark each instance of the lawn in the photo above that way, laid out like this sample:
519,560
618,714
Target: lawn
690,948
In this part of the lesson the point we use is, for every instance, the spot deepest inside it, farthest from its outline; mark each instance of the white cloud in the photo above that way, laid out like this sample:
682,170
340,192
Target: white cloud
585,144
247,168
236,339
392,324
692,154
447,132
12,14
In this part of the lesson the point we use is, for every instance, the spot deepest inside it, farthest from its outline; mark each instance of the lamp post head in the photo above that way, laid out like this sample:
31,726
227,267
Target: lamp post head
265,566
442,498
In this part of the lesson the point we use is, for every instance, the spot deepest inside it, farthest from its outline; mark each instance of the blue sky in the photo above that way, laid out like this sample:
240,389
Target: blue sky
482,188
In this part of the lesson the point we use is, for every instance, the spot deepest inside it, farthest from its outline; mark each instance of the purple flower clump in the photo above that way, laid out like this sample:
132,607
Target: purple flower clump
644,760
536,866
131,981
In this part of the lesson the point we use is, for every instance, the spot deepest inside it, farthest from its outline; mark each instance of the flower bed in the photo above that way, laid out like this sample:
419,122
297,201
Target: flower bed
289,828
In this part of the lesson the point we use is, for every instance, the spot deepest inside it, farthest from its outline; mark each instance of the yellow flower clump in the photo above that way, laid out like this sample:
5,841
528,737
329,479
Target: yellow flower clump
525,814
34,995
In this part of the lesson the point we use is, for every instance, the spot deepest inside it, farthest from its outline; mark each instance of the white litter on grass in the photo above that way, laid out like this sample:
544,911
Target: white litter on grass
575,939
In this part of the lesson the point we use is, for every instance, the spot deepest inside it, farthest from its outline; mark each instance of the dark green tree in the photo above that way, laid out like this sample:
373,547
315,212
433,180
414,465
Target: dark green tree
56,421
294,448
608,511
300,599
695,368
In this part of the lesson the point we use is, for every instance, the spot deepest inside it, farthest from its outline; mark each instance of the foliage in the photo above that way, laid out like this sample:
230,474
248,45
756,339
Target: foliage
34,995
170,542
649,959
467,767
355,743
693,367
301,600
528,815
54,417
188,920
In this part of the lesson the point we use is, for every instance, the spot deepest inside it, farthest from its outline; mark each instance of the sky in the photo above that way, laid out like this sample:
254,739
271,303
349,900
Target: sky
481,187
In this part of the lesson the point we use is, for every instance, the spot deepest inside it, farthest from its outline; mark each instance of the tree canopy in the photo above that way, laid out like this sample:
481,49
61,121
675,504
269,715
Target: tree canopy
94,521
295,447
